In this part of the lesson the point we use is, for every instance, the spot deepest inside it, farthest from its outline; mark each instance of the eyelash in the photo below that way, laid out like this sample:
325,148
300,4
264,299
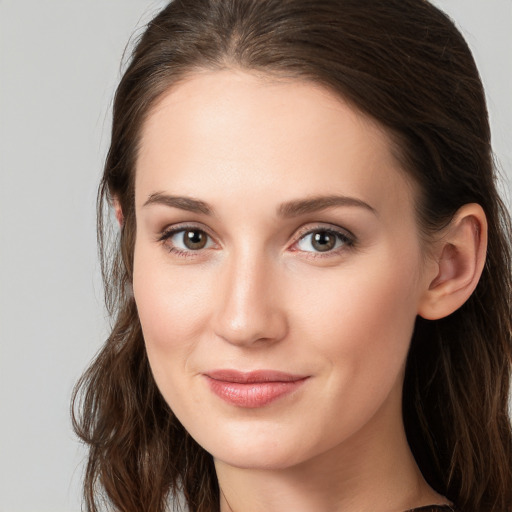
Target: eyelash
347,239
167,234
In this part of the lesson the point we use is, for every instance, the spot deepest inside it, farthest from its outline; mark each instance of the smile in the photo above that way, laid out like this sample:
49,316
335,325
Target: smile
252,389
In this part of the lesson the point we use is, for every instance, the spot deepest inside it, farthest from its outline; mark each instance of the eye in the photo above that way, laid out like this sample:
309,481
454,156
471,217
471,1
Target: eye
186,239
323,240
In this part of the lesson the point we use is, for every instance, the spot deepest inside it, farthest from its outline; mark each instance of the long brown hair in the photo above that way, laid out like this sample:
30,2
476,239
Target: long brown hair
405,64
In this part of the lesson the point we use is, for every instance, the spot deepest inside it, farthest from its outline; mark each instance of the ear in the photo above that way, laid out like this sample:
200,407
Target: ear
458,262
118,211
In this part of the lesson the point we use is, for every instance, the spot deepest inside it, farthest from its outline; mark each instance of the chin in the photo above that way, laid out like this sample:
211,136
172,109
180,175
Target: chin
264,460
256,449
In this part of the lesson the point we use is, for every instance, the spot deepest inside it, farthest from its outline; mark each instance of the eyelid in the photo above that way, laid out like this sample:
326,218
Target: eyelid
168,232
323,226
332,228
172,229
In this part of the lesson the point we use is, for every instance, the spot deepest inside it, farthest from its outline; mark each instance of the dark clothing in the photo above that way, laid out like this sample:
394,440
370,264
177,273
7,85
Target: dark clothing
434,508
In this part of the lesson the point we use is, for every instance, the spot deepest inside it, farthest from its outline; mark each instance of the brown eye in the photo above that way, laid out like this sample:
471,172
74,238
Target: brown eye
194,239
323,241
186,240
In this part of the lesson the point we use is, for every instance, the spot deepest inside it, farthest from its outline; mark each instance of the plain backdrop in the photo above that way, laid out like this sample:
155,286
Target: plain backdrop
59,64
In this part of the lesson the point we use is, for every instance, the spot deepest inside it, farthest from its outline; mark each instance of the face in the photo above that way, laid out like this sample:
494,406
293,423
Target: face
277,267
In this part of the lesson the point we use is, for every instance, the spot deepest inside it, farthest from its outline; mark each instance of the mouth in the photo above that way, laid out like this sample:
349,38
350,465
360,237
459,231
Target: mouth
252,389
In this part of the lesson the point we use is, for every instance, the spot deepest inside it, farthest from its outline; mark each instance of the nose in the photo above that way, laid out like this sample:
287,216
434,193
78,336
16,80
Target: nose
249,311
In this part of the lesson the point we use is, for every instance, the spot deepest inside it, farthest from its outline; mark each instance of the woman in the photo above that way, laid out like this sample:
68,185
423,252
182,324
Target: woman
311,290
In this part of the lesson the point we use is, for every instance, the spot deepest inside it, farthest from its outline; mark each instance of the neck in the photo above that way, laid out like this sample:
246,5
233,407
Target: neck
373,470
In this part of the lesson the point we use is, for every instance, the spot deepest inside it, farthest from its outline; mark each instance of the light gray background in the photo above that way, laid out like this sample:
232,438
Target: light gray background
60,62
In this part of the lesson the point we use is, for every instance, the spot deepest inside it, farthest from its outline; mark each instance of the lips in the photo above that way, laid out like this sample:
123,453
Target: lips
252,389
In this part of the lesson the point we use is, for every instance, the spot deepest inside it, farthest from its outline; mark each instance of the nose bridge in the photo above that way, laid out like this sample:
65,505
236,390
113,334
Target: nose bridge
248,308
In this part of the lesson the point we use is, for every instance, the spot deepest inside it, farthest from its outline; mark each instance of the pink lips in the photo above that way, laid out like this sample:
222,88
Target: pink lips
252,389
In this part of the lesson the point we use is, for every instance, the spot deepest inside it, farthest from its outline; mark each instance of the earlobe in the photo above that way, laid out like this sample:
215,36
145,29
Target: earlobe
460,259
118,211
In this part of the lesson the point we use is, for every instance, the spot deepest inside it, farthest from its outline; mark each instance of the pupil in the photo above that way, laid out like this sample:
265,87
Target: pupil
194,239
323,241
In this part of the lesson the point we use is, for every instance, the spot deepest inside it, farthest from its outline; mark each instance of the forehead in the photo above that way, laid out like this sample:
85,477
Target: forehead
223,133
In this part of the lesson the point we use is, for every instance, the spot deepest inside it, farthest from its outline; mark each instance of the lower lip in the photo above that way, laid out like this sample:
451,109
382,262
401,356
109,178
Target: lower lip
252,394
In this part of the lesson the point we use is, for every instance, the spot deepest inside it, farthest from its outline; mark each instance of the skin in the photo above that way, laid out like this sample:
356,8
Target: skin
259,295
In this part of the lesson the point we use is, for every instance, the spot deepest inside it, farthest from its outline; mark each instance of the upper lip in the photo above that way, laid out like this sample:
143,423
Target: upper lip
254,376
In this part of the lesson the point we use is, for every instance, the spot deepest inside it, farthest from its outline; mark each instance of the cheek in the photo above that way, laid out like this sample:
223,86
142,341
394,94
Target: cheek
357,326
361,319
172,308
165,308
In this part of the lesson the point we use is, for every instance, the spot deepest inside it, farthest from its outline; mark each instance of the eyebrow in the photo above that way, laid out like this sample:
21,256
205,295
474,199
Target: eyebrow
183,203
289,209
314,204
